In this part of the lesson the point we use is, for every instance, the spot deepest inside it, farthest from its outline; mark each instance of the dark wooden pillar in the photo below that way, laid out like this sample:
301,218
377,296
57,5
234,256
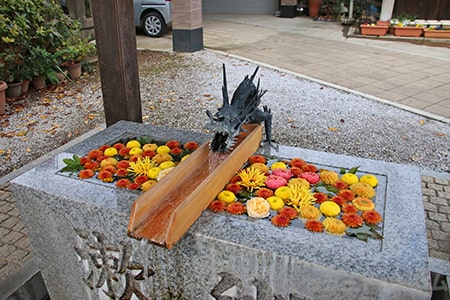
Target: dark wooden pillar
117,56
187,23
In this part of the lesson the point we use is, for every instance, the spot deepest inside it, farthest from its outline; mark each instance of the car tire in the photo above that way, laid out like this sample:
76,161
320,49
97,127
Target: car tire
153,24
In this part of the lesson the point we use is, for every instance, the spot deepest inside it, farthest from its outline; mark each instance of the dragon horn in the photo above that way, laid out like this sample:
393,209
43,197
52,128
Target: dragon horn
226,102
254,73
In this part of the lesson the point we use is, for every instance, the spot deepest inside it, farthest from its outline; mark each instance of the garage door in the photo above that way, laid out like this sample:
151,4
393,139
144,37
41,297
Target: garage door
243,7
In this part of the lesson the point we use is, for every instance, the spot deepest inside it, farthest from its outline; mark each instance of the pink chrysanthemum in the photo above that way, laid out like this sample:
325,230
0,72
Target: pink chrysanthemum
285,173
311,177
273,182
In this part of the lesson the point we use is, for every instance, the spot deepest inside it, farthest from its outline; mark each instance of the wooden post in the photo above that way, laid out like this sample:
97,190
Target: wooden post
117,56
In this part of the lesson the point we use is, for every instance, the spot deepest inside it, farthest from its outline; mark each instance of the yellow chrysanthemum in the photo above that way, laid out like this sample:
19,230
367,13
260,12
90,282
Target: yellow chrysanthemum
162,157
167,164
369,179
276,203
262,167
147,185
329,177
153,172
150,147
362,189
163,149
135,151
185,157
110,161
278,165
283,192
334,226
298,181
301,195
363,204
349,178
309,212
330,208
141,166
226,196
251,178
133,144
111,151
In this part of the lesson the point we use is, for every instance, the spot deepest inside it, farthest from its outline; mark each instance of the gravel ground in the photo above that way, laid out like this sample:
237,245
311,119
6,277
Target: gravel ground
176,89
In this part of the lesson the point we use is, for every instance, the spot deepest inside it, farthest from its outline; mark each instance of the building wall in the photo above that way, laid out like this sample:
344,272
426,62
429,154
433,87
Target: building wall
244,7
423,9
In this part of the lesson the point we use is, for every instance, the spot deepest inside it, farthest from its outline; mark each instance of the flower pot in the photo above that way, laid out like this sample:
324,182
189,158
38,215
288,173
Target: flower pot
38,82
383,23
61,76
408,31
74,70
3,87
25,86
374,30
314,7
437,34
14,90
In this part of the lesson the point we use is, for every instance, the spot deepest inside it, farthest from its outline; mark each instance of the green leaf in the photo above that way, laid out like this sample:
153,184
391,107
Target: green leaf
364,233
332,189
342,171
354,170
72,164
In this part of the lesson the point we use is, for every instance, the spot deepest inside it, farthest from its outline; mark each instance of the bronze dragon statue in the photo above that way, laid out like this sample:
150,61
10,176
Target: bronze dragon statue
227,121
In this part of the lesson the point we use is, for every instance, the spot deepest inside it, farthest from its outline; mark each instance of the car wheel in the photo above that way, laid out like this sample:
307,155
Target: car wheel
153,24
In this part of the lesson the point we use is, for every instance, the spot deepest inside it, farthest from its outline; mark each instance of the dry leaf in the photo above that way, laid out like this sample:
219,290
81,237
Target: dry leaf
332,129
21,133
421,122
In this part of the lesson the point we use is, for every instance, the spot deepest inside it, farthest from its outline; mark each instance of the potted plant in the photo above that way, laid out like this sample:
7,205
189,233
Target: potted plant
373,29
439,32
405,26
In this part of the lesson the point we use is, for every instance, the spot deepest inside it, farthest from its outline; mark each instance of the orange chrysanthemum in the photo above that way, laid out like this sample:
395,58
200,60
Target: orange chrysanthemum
257,159
314,226
235,178
176,151
118,146
102,148
281,220
93,165
105,176
347,194
352,220
121,172
308,211
234,188
340,185
94,154
217,206
84,160
338,200
309,168
110,169
236,208
173,144
124,152
133,186
264,193
148,153
320,197
296,171
297,162
191,146
141,179
349,208
372,217
123,183
363,204
123,164
362,189
101,158
86,173
288,211
329,177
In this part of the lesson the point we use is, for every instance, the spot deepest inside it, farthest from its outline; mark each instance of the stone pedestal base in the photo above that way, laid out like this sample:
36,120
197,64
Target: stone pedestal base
187,40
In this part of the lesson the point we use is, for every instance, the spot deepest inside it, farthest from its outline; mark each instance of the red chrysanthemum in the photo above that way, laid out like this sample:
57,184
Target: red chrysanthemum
173,144
320,197
110,169
281,220
105,176
217,206
124,151
102,148
340,185
176,151
236,208
118,146
234,188
134,158
191,146
257,159
86,173
123,164
148,153
122,172
338,200
93,165
102,157
309,168
349,208
352,220
347,194
289,212
235,179
296,171
297,163
84,160
123,183
264,193
372,217
133,186
94,154
314,226
141,179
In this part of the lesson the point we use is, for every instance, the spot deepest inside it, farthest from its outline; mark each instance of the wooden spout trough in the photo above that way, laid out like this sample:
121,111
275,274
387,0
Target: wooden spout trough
165,213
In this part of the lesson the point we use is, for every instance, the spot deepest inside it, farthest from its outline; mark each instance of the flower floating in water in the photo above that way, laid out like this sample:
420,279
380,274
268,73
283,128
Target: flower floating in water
128,164
295,192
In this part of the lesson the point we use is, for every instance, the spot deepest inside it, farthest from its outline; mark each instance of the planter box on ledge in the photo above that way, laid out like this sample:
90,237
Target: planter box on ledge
408,31
374,30
78,231
437,34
